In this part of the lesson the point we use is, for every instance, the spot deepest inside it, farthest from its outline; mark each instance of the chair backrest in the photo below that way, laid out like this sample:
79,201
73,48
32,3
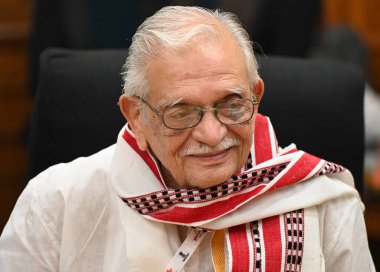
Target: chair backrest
316,104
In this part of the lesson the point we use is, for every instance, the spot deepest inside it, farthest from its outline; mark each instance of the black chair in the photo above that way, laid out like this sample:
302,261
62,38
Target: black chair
316,104
283,28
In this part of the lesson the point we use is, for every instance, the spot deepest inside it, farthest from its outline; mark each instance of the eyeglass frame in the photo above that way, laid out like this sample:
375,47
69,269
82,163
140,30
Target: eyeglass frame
254,102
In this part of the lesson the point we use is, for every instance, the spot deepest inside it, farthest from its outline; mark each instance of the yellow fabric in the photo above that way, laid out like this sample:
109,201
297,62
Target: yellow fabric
217,246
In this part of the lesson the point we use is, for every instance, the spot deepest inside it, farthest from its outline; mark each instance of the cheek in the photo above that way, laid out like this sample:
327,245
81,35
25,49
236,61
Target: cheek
168,146
245,134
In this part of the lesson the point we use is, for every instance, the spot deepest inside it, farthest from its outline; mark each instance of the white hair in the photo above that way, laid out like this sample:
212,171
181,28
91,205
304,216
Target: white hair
172,27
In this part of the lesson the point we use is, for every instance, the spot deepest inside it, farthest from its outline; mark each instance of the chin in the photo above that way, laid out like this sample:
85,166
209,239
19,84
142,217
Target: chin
210,181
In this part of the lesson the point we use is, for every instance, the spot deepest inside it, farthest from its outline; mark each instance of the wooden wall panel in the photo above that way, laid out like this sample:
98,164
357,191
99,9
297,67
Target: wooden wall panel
15,10
15,101
363,16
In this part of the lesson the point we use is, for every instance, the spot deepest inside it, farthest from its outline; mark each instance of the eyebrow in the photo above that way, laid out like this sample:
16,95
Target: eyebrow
171,102
236,90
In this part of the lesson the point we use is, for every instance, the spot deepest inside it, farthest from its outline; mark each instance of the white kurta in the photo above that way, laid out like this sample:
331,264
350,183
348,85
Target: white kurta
70,218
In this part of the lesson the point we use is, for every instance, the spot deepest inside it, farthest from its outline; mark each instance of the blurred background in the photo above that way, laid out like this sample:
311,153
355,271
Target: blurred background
344,30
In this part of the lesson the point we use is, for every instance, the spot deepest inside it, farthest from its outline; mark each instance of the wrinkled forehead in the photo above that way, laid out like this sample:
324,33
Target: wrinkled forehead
205,62
202,56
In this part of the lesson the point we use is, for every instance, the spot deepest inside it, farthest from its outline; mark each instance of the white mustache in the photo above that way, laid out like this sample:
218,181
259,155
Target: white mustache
206,149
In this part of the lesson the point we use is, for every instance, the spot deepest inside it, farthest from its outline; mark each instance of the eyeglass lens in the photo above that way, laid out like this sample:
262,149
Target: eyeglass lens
230,112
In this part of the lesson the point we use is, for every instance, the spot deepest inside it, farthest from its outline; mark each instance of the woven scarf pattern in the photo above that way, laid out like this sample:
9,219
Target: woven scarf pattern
164,199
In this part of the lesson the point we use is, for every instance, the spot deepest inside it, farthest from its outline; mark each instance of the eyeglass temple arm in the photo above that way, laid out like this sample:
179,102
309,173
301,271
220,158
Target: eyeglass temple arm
146,103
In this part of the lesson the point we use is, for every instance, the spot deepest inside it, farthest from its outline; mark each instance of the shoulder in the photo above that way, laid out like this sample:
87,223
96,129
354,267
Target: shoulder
75,175
340,213
344,237
66,190
59,209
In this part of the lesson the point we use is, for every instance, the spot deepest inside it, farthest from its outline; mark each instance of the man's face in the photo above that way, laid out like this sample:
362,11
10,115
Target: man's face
204,74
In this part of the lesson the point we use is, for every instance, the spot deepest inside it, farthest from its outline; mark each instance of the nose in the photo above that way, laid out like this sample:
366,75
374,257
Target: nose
209,130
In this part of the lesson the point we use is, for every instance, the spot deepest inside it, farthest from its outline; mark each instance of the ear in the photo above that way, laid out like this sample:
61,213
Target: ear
129,106
258,88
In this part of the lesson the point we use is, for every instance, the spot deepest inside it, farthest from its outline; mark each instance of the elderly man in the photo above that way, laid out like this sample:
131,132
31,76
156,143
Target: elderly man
196,181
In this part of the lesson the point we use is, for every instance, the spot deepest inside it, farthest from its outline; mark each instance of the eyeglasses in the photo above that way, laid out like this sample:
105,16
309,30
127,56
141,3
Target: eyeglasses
230,112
